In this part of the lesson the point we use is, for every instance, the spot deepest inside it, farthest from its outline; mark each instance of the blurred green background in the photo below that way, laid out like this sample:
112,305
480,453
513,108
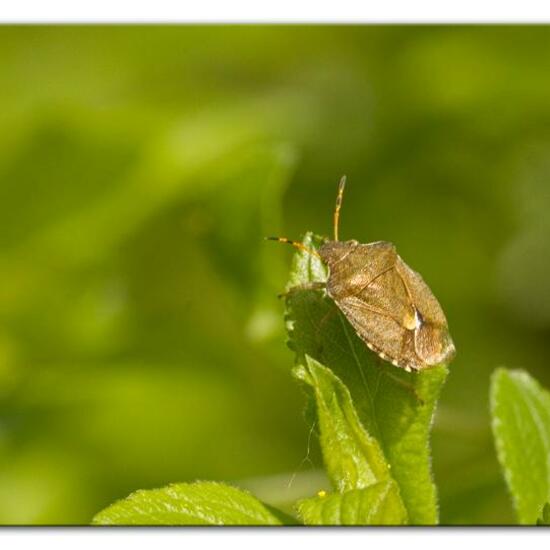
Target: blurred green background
141,339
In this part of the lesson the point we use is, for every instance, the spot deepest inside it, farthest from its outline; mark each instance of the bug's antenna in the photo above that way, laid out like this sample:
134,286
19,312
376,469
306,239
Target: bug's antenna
339,196
295,244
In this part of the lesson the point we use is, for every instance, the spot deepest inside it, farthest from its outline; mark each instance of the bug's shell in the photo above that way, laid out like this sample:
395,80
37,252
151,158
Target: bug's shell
388,304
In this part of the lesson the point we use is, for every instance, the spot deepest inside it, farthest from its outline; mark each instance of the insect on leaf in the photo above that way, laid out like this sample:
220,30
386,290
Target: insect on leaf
394,406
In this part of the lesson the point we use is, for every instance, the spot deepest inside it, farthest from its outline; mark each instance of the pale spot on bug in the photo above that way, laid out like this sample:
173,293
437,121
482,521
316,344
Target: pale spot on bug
410,321
418,319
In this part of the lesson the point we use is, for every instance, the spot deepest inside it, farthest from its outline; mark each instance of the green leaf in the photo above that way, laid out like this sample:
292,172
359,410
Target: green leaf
520,410
200,503
544,518
378,504
353,458
394,406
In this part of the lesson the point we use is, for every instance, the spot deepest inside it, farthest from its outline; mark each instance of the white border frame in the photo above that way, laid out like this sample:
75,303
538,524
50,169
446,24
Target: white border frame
281,11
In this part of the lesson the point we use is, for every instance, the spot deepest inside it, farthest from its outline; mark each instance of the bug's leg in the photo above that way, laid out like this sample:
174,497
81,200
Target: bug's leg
406,386
339,196
295,244
326,317
303,248
306,286
319,332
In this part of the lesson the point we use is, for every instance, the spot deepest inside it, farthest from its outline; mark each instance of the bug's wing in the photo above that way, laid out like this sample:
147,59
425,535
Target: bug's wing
384,315
389,305
382,332
370,292
421,294
433,343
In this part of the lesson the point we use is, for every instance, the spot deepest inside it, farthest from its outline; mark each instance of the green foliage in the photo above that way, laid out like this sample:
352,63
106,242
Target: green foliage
377,504
352,457
201,503
108,290
390,408
520,410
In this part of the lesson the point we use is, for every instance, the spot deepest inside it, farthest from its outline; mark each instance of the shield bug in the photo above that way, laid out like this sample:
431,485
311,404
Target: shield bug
388,304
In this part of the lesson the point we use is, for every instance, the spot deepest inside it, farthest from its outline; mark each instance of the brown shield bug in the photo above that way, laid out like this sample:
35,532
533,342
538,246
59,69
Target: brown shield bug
388,304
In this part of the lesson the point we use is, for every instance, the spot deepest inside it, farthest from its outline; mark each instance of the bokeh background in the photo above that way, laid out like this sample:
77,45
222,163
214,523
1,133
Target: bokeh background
141,340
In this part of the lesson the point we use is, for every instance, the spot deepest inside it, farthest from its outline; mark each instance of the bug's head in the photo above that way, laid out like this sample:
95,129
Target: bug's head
332,252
